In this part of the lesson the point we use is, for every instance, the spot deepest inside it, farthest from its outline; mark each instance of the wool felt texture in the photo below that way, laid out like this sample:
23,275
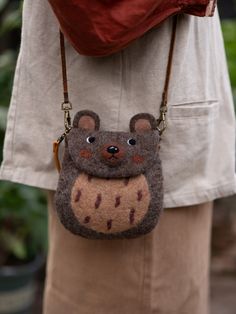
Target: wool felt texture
105,27
111,183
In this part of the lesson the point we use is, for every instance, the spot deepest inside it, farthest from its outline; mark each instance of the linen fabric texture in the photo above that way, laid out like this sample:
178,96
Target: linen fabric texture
165,271
110,184
198,147
107,26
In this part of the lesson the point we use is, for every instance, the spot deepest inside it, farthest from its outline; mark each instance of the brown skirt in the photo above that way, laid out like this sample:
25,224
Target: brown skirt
164,272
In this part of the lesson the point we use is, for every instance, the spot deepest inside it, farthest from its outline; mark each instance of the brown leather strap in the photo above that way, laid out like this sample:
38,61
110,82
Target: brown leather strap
161,121
64,68
66,106
170,59
163,108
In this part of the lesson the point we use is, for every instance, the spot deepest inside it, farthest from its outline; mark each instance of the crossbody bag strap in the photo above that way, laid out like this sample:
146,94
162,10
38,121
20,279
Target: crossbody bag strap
161,121
66,106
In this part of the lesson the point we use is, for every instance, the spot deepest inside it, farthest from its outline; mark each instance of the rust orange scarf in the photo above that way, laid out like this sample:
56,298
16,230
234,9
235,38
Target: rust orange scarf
102,27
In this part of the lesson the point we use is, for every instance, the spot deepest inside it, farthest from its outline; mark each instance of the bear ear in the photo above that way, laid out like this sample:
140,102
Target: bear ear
87,120
143,122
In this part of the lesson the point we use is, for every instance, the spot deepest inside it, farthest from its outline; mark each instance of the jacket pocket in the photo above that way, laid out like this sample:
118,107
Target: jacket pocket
187,144
195,110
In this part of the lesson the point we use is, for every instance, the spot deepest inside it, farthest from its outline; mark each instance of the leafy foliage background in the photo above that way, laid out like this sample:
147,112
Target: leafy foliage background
23,214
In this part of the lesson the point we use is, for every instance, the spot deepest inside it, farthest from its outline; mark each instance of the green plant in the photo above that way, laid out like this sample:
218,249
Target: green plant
23,223
229,33
11,18
10,24
23,216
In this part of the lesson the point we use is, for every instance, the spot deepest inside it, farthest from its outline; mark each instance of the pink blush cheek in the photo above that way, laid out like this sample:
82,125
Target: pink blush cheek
84,153
137,159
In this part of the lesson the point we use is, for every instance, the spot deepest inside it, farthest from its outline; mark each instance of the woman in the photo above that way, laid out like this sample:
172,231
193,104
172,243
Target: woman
167,270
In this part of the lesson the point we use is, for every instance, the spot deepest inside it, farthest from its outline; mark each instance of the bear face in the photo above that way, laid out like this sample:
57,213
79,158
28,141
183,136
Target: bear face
113,154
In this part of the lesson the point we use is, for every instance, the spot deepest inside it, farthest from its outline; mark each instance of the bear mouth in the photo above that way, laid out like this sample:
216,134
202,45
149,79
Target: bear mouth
113,161
113,157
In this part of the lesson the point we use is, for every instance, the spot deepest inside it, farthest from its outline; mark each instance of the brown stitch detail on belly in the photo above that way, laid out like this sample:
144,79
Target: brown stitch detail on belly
89,178
87,219
78,195
98,201
117,203
126,181
131,216
109,224
140,195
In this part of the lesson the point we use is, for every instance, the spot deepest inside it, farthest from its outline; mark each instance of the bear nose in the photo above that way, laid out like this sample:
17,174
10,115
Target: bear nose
113,149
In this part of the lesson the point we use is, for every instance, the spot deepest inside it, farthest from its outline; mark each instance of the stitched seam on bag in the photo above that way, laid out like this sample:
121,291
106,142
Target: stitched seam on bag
11,169
218,190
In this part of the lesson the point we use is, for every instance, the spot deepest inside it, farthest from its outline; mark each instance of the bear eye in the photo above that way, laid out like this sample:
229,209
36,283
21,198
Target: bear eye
90,139
131,141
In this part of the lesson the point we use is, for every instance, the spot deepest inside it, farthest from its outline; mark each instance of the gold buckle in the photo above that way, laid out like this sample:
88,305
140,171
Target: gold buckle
66,106
161,122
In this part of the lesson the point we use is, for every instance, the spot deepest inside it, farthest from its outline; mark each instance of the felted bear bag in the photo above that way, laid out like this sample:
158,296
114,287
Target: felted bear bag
110,184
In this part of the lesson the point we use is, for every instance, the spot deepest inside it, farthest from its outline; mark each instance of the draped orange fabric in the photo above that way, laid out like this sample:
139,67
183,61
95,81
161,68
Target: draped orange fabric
102,27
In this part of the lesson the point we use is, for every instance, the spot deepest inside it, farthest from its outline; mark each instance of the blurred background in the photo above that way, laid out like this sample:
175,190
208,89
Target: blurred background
23,211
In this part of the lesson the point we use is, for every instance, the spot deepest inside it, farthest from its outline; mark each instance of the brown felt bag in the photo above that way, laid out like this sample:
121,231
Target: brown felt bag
111,183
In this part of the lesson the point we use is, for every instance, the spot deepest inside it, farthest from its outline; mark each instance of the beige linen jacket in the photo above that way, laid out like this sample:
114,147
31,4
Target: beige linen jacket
198,147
